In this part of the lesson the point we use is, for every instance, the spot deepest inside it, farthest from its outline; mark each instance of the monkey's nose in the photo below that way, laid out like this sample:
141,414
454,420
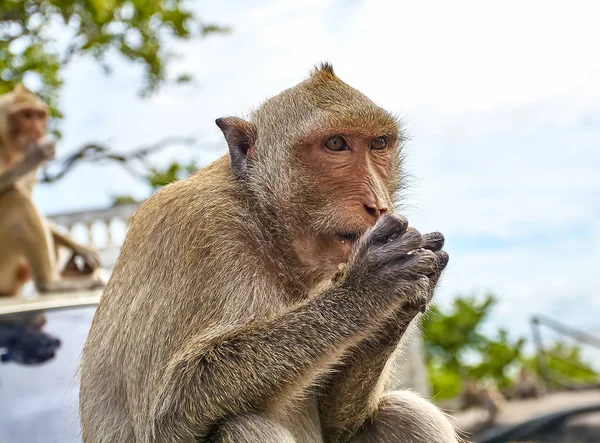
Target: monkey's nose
374,210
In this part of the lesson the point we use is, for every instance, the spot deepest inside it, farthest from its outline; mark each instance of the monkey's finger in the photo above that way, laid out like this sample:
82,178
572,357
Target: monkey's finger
441,261
433,241
419,264
404,255
388,228
91,258
411,242
94,261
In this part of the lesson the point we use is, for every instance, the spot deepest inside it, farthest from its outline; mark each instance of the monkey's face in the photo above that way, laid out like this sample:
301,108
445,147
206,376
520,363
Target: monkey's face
323,160
28,125
350,181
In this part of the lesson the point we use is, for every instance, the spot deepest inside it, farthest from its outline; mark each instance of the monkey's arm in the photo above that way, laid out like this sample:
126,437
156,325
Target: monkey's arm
11,176
250,368
37,154
89,255
351,393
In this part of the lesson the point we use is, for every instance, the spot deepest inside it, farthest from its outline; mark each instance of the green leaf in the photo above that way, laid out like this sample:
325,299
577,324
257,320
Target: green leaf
98,27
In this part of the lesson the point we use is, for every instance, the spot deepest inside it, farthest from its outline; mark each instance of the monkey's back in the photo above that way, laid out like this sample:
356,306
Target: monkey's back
172,260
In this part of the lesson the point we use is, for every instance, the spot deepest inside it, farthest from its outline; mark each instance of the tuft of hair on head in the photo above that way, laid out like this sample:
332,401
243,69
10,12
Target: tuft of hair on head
21,92
323,69
21,89
22,96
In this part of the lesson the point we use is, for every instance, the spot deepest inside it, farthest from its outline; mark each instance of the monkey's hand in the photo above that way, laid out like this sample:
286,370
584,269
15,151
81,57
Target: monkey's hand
90,256
37,153
41,151
391,258
434,241
395,259
393,330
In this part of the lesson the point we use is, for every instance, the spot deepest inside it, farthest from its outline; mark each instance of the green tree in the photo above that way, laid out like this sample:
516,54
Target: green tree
566,365
136,30
498,355
449,335
456,348
159,177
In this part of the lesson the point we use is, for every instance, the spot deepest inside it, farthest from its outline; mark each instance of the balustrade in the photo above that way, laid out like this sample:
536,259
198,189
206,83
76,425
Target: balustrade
103,229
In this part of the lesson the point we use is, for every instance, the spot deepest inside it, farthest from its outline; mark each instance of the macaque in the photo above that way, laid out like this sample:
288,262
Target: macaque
527,385
29,243
488,397
259,300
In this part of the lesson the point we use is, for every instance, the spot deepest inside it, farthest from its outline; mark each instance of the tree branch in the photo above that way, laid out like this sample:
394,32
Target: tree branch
97,153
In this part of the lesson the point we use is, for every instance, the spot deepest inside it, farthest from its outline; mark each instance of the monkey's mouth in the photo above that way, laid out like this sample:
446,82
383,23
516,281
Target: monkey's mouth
348,237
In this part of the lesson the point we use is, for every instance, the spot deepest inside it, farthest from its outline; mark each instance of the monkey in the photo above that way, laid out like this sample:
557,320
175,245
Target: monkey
487,397
527,385
29,241
259,299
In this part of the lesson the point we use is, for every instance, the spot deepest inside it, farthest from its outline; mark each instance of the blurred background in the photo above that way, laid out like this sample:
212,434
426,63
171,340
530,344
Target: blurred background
501,101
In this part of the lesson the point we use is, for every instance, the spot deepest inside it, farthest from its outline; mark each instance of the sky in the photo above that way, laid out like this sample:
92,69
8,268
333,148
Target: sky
501,101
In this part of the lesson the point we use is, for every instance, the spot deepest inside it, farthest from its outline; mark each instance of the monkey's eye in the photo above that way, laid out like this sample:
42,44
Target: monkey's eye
336,143
379,143
27,114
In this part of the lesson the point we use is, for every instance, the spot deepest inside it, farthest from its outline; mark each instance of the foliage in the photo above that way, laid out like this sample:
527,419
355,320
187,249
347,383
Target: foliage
137,30
457,349
158,178
566,363
123,200
450,335
131,161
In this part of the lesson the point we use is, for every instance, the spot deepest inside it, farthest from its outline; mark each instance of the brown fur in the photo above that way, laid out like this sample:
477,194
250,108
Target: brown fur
228,315
29,242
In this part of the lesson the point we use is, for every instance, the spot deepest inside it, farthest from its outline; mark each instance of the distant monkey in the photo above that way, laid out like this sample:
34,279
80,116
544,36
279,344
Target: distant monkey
28,241
488,397
260,299
23,147
527,385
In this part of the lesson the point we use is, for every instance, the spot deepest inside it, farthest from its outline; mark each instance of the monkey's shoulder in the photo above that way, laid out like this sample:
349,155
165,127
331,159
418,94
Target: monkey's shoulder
206,203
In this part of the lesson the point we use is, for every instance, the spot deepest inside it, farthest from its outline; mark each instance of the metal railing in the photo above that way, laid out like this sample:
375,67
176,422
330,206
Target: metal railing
551,380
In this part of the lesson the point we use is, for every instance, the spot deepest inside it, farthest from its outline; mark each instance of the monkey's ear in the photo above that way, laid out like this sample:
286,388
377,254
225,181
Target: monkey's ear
240,136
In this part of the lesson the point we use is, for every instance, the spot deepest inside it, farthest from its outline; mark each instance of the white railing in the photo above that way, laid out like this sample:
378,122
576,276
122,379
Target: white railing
104,229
